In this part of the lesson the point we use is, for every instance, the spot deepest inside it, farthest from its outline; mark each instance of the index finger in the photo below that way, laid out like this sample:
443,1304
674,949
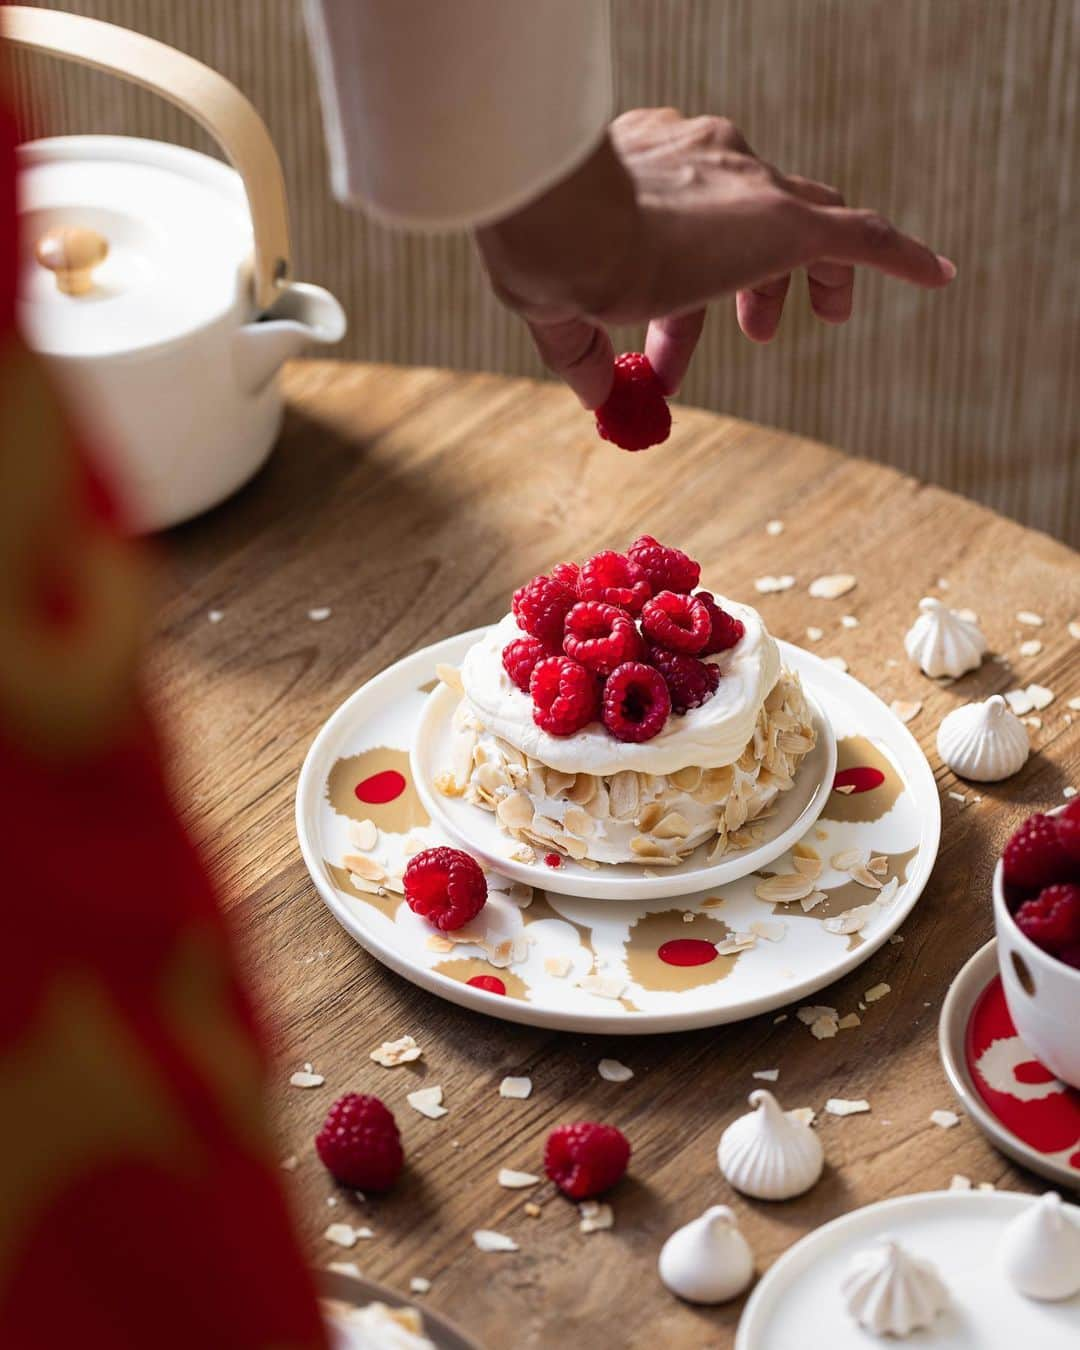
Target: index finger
869,239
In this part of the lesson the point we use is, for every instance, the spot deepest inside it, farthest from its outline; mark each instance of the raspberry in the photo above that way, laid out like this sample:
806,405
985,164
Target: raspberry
601,636
540,606
567,573
1068,829
359,1143
1034,856
635,414
690,682
564,695
585,1158
726,629
680,623
445,886
615,580
519,658
1052,919
666,569
636,702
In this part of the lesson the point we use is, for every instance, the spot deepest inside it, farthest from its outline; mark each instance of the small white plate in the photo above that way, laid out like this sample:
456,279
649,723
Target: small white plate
358,769
478,831
798,1301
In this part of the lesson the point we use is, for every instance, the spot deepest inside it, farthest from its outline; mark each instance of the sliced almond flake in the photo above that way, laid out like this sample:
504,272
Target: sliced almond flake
688,916
735,943
841,1106
686,780
824,1028
849,621
524,854
814,634
766,1075
847,859
888,893
851,921
306,1078
846,788
833,586
487,1240
810,1012
319,614
986,1186
1040,696
595,1216
1034,722
877,991
428,1101
365,867
774,527
959,1182
769,585
784,888
516,1088
345,1235
533,1210
838,663
419,1284
349,1268
516,1181
557,966
392,1053
866,878
501,954
957,797
946,1119
1029,618
1074,628
879,866
578,821
450,676
1074,704
807,867
1032,647
603,986
289,1164
907,712
673,826
612,1071
850,1020
811,901
363,834
805,1115
437,943
770,930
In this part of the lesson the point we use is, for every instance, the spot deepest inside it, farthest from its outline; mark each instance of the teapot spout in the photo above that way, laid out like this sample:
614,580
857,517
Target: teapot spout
300,315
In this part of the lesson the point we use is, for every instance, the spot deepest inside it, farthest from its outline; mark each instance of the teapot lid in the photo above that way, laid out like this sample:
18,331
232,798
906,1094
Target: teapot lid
127,244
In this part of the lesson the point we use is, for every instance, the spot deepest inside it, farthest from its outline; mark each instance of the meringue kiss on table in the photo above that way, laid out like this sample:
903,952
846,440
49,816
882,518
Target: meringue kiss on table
707,1260
942,642
767,1154
1040,1251
983,742
890,1292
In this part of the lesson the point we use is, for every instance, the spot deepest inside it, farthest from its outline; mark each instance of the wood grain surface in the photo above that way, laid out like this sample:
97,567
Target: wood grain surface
411,502
959,119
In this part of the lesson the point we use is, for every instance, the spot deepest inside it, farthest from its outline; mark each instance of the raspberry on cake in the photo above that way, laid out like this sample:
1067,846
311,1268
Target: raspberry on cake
650,726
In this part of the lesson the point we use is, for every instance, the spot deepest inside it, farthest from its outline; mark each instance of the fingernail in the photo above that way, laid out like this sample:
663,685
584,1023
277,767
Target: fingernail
948,268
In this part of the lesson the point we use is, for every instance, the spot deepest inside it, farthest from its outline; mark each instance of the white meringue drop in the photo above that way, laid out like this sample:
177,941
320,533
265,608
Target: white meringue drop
767,1154
890,1292
707,1260
940,642
1040,1250
983,742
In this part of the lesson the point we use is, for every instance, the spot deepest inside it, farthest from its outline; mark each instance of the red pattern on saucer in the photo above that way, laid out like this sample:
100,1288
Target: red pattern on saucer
1022,1094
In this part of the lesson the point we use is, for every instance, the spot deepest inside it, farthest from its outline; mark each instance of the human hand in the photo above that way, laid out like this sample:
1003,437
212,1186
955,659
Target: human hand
668,214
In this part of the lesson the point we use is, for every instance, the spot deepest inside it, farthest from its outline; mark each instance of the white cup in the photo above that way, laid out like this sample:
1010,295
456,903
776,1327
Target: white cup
1042,992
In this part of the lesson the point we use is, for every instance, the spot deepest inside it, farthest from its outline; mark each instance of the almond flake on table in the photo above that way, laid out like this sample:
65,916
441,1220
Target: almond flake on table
907,712
603,986
215,615
805,1115
848,1021
877,991
1068,792
824,1028
345,1235
290,1163
841,1106
772,930
489,1241
307,1078
946,1119
848,621
612,1071
959,1182
319,613
1034,722
832,586
516,1181
1029,618
1074,704
392,1053
814,634
957,797
1074,628
774,527
516,1088
986,1186
532,1209
428,1101
1032,647
419,1284
810,1013
595,1216
1034,698
838,663
766,1075
349,1268
770,585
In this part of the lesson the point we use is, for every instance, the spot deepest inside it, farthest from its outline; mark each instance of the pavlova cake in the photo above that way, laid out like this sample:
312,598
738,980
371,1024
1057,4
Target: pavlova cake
621,714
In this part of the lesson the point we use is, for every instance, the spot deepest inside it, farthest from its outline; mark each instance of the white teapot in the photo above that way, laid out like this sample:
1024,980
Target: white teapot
156,280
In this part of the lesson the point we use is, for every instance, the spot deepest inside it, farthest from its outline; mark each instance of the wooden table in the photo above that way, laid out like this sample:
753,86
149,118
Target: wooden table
412,502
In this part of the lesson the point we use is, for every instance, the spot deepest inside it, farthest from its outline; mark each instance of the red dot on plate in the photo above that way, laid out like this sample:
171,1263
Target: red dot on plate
381,787
491,983
687,952
861,778
553,860
1031,1071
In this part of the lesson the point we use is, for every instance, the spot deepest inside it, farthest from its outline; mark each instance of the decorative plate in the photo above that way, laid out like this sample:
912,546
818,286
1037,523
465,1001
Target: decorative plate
1027,1112
613,966
478,831
357,1291
958,1231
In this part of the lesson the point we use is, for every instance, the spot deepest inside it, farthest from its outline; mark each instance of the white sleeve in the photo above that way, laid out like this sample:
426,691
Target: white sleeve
441,114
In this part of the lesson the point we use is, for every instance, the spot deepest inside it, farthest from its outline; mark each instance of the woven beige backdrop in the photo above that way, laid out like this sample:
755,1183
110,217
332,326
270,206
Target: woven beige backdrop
957,117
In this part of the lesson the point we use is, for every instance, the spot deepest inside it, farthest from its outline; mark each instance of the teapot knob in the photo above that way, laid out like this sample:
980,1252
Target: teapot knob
71,253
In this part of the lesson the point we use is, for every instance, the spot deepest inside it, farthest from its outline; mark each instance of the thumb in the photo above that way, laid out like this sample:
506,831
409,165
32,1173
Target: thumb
580,353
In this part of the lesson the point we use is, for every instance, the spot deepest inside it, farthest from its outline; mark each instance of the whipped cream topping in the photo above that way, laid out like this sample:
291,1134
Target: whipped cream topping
710,736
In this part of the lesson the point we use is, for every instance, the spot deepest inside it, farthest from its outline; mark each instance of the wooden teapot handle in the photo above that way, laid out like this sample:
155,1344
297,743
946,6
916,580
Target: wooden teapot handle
208,97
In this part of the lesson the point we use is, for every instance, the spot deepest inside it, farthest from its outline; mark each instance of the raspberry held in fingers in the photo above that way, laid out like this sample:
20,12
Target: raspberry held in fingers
635,415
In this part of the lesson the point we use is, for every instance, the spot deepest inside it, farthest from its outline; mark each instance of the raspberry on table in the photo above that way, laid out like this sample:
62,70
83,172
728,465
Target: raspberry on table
567,573
1067,822
1034,857
601,636
359,1143
636,702
585,1158
541,605
445,886
666,569
726,629
681,623
635,414
564,694
519,659
614,579
690,682
1052,919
